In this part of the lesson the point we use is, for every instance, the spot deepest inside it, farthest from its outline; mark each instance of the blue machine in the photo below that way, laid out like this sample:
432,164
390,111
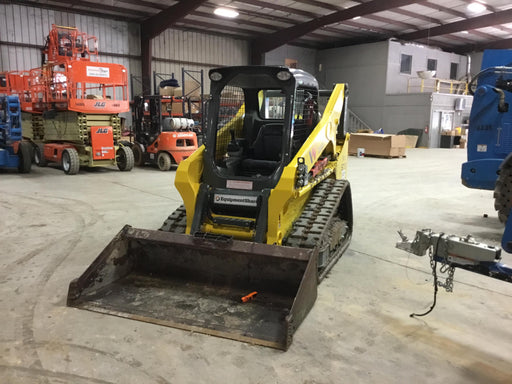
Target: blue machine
14,153
489,148
490,121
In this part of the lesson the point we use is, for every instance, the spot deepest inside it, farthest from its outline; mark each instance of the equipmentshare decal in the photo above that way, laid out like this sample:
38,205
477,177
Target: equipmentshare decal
248,201
98,71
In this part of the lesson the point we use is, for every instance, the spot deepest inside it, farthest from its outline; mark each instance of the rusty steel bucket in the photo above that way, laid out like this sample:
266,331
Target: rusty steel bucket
197,284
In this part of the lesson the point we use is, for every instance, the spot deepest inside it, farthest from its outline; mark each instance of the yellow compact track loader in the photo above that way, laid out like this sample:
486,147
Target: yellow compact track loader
267,213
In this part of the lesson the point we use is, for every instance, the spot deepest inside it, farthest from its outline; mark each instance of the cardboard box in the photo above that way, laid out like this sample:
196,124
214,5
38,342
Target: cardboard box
377,144
192,88
177,108
174,107
167,91
410,141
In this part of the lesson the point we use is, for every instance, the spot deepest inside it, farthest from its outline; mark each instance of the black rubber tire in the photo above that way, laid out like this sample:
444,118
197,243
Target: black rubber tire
25,156
138,155
39,158
125,159
164,161
70,161
503,193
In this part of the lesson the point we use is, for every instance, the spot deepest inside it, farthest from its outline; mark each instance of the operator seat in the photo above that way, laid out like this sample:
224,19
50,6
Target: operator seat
266,150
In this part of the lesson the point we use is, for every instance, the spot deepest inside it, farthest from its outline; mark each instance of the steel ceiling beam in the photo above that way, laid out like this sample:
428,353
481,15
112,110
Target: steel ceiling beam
405,12
282,8
489,20
155,25
462,14
274,40
272,18
97,7
90,12
143,3
158,23
498,44
444,9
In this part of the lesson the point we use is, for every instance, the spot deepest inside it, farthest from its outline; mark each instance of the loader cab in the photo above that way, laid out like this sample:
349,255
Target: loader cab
258,118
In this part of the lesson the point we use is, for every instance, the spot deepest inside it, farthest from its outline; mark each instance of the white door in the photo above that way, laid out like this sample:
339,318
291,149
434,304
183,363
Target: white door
434,133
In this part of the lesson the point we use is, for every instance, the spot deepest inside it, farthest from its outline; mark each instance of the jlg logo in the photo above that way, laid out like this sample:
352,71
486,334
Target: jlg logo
100,104
102,130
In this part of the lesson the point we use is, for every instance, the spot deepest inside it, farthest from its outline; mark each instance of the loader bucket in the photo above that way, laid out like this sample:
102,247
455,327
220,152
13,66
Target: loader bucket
197,284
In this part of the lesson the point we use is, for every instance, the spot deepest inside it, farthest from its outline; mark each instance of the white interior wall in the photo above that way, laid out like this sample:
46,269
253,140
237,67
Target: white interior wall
377,90
476,62
396,82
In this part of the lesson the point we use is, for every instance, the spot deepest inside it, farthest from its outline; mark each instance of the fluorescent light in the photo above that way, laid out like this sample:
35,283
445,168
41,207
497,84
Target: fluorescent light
476,7
226,12
465,32
356,18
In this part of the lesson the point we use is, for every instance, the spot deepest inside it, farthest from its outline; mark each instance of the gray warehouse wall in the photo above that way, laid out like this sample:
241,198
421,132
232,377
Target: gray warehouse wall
305,57
363,67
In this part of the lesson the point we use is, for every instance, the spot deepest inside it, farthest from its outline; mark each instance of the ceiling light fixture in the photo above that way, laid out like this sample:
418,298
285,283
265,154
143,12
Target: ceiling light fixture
476,7
465,32
356,18
226,12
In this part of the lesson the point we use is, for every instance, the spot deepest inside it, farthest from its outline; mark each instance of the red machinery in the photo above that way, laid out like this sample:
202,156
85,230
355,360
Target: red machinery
71,104
161,136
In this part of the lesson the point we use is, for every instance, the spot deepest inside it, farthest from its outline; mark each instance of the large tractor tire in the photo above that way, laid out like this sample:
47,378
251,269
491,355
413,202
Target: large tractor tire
125,160
25,157
39,158
138,155
164,161
70,161
503,192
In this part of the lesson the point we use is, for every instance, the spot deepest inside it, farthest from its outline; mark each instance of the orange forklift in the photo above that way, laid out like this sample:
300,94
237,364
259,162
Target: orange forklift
161,137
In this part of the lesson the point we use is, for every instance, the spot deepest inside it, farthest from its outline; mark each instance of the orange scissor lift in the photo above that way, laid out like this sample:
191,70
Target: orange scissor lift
71,104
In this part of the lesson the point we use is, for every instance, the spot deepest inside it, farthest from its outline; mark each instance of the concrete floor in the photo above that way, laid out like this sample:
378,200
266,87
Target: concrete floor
359,331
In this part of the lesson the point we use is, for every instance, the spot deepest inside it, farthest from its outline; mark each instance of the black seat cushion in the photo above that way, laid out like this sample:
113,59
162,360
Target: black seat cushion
268,143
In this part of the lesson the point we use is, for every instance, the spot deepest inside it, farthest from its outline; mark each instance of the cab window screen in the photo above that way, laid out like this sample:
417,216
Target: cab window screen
272,104
231,115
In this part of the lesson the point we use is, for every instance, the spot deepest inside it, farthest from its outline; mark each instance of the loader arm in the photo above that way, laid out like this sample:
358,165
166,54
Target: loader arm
286,201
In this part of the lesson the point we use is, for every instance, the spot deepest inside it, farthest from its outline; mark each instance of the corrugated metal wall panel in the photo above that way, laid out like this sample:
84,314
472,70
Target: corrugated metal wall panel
172,50
30,26
176,49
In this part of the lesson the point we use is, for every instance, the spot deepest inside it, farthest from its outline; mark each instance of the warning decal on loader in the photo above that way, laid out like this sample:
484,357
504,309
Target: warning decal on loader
248,201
